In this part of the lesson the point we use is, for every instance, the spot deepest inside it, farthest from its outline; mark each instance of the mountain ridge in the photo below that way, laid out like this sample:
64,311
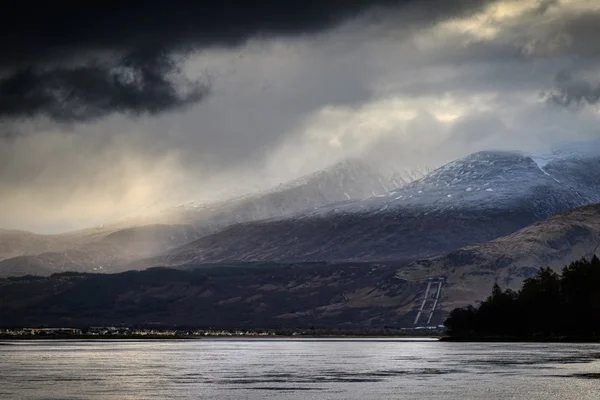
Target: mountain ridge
474,199
77,250
273,295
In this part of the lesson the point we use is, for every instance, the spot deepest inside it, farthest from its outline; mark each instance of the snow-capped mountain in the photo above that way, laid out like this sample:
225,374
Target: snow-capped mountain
348,212
109,247
487,179
471,200
575,165
565,151
347,180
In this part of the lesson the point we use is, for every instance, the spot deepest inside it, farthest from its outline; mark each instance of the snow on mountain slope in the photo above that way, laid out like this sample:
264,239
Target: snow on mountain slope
575,165
108,248
488,179
348,180
348,213
471,200
565,151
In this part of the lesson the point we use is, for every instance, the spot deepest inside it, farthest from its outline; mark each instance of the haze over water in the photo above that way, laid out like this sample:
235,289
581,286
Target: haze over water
297,369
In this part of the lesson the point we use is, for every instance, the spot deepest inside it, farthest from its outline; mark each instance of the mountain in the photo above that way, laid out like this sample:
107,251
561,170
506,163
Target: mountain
332,215
224,296
575,165
131,233
105,253
471,271
15,243
113,247
275,295
472,200
347,180
484,180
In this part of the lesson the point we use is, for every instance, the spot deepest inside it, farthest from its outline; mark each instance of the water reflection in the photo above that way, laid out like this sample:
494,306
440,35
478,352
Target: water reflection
297,369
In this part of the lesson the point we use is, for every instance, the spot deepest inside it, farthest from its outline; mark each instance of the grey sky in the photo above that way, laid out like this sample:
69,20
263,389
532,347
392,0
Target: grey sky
394,87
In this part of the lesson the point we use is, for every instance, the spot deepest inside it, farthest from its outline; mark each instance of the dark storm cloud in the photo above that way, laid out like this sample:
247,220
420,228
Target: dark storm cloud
42,47
572,92
137,83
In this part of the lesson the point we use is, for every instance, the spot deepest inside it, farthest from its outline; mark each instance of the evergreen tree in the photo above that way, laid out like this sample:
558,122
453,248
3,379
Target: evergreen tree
548,305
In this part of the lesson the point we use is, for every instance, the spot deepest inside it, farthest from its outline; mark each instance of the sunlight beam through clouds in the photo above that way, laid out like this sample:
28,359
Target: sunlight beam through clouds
383,87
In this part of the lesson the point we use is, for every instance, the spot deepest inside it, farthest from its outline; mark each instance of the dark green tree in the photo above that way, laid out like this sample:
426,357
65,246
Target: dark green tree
548,305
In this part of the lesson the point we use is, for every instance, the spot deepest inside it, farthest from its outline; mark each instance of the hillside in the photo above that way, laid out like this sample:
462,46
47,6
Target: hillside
347,180
224,296
14,243
550,306
299,294
472,271
105,253
475,199
113,247
472,200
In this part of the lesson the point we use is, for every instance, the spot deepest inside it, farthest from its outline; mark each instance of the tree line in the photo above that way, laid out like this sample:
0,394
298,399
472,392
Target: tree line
548,306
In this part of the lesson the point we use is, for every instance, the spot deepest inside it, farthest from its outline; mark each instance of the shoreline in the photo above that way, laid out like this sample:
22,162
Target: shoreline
510,339
448,339
184,338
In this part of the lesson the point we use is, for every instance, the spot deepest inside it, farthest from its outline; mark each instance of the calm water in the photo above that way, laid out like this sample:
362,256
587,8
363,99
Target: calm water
297,369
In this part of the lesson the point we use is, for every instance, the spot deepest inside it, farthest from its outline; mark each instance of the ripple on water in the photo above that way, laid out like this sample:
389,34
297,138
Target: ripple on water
294,369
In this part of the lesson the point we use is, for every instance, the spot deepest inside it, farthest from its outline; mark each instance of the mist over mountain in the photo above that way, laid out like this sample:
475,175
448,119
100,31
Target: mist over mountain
351,211
274,295
347,180
492,216
113,246
471,200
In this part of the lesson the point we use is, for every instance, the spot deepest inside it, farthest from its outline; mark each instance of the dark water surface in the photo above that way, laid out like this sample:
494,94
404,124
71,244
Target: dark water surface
297,369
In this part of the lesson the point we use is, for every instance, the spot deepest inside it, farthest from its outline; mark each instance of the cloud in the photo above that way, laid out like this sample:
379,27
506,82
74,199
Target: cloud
573,92
394,85
50,58
64,28
138,83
